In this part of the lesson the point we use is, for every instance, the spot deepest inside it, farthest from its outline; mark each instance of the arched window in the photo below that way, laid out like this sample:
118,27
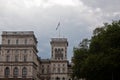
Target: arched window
15,72
57,78
7,71
24,71
63,78
7,58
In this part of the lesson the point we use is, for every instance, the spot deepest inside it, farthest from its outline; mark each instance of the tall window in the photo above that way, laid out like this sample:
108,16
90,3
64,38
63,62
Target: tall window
8,41
58,70
25,58
24,72
53,70
25,41
15,72
25,51
16,51
43,71
56,50
7,58
61,49
63,70
7,71
16,58
17,41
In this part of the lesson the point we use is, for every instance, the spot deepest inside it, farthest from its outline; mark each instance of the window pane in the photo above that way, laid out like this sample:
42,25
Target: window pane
7,71
24,71
15,72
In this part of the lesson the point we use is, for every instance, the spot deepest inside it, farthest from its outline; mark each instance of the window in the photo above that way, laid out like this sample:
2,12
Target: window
63,69
58,65
15,72
24,71
17,41
48,70
54,65
24,51
57,78
55,49
25,41
7,58
63,78
8,51
25,58
58,70
61,49
7,71
16,51
42,65
16,58
8,41
43,71
53,70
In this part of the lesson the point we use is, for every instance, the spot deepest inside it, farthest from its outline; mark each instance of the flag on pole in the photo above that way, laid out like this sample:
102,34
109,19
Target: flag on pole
58,26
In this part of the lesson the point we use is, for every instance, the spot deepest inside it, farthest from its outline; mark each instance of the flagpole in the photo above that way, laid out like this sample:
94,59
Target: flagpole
58,27
59,31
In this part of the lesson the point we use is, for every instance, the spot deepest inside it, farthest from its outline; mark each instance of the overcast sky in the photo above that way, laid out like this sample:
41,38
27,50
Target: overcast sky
78,18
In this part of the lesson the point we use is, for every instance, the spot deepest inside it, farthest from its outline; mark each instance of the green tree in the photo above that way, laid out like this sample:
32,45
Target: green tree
80,53
103,55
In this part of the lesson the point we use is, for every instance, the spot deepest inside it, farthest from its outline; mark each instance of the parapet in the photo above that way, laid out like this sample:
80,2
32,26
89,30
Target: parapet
18,33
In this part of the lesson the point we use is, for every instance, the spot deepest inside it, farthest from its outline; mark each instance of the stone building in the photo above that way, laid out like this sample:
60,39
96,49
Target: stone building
19,59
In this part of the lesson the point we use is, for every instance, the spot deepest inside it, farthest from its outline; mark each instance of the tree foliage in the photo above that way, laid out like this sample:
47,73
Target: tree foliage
101,61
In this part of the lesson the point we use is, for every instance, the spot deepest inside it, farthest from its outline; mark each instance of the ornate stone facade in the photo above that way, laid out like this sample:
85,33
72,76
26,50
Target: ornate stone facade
19,60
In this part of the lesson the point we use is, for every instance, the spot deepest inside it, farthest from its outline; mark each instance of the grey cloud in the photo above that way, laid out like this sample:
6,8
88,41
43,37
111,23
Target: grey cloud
105,5
77,22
